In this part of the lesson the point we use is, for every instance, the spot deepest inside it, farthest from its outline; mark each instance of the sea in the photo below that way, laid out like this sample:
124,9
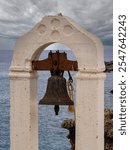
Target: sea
51,135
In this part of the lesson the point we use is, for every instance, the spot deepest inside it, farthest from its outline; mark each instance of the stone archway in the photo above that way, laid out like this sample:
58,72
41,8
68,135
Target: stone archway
89,90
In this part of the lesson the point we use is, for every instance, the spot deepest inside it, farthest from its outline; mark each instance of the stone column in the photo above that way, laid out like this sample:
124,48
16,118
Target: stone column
90,111
23,111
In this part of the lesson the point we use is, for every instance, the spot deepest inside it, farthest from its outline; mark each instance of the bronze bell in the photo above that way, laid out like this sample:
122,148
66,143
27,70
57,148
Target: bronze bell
56,92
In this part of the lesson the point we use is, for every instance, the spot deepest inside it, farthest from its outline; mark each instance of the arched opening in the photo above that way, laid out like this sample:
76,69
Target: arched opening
51,135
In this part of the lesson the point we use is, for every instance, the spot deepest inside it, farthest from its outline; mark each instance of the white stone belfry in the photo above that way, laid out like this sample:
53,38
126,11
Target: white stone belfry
89,106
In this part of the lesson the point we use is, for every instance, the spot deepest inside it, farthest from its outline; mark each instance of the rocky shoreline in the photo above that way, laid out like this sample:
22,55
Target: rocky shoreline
109,66
108,130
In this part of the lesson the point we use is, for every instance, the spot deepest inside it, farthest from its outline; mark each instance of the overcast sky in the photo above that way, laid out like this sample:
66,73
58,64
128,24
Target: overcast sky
19,16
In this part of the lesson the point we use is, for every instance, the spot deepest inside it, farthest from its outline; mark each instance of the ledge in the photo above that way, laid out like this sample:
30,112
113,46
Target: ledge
90,75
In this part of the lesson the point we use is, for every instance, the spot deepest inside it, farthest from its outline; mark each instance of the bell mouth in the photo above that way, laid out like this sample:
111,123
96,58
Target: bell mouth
53,102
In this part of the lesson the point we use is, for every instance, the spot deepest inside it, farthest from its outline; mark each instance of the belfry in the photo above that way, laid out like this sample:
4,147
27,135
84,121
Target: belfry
90,76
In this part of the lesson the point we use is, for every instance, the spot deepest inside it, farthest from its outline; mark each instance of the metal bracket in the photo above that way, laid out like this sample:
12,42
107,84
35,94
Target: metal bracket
55,61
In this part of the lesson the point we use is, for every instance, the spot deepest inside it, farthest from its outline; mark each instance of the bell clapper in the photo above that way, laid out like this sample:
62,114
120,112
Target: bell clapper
56,109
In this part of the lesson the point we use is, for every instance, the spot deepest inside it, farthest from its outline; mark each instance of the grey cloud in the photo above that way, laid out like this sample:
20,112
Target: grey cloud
19,16
94,16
